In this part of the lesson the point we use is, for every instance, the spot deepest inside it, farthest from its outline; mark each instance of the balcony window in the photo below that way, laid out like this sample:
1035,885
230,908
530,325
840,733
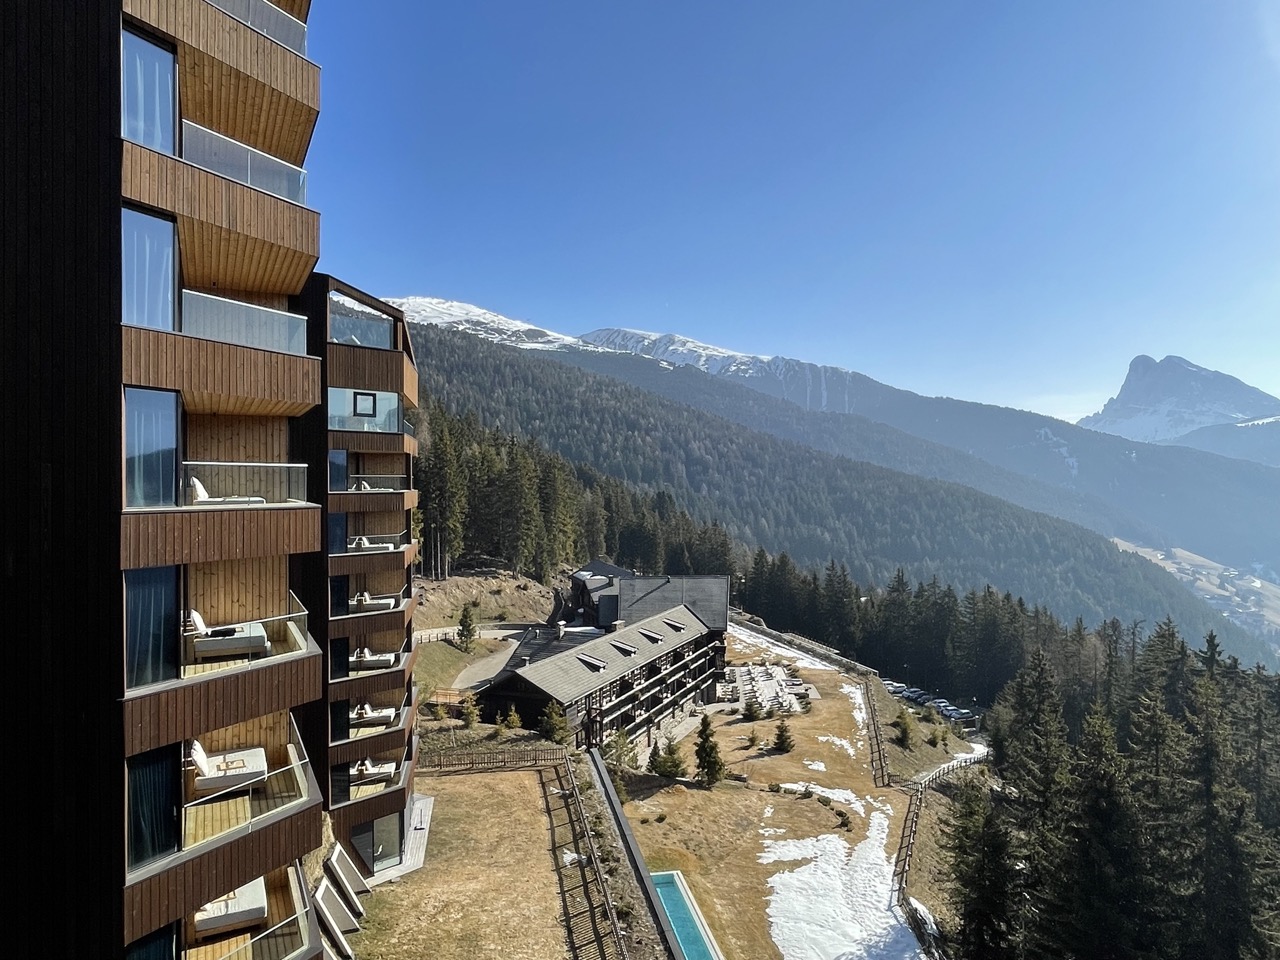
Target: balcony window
155,797
151,447
160,944
147,255
339,600
337,472
352,322
151,625
379,841
364,410
337,526
148,93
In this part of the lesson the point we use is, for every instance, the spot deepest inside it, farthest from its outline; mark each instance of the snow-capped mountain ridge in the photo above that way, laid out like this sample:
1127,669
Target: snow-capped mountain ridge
468,318
1160,402
672,348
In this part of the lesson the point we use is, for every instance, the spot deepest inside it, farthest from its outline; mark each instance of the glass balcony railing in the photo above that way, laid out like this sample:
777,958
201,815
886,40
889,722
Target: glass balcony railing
246,324
206,647
213,811
236,161
375,483
217,484
377,542
364,410
282,930
268,20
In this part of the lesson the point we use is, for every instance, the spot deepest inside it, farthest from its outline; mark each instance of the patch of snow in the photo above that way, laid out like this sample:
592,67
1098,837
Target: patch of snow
839,903
816,765
752,640
926,917
854,692
768,811
772,831
840,742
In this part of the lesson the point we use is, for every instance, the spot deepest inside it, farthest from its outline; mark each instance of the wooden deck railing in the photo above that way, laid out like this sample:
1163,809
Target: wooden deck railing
492,759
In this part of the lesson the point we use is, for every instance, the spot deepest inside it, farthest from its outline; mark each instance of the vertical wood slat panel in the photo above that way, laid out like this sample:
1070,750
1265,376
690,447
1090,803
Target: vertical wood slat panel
205,534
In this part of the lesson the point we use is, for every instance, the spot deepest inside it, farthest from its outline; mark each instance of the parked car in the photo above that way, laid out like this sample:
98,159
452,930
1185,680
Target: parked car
894,687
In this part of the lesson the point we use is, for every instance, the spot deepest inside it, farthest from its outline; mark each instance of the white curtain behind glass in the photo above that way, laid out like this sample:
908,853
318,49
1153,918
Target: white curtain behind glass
148,103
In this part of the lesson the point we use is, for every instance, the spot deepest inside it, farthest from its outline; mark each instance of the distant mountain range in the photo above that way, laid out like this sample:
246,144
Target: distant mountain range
1159,495
1176,401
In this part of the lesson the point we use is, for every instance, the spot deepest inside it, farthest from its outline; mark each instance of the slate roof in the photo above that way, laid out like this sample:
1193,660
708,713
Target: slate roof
706,596
579,666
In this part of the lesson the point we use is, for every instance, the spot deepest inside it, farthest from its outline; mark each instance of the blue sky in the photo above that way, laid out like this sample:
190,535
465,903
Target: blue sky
999,201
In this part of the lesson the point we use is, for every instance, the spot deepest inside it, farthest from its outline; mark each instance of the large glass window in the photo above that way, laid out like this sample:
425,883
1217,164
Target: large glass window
352,322
337,472
379,841
339,598
364,410
155,797
148,93
148,245
161,944
151,625
337,529
339,720
150,447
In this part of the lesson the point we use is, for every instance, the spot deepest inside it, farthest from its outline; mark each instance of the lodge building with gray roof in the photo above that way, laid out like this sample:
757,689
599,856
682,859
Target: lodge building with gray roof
628,676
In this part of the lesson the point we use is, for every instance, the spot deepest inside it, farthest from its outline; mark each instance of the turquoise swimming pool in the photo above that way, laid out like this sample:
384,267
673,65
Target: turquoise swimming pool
686,919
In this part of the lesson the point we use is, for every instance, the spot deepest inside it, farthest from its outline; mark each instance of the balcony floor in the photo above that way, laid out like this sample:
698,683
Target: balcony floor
214,664
277,945
369,789
216,817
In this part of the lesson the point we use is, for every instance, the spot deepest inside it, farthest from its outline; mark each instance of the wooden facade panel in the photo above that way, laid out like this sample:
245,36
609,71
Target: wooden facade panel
221,378
158,538
236,591
373,502
367,441
355,564
232,439
236,81
370,628
371,685
230,236
349,751
367,368
174,894
193,708
409,377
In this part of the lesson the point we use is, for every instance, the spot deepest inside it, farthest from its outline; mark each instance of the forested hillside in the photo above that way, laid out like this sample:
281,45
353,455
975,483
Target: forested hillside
1148,828
786,497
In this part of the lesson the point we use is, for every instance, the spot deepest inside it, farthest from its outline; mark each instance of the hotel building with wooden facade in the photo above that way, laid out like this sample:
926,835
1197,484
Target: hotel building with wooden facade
216,638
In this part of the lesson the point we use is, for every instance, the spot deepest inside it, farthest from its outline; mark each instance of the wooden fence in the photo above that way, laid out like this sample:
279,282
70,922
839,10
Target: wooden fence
494,759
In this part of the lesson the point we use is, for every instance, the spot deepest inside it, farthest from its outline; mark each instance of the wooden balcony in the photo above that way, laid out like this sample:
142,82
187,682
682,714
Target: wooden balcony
223,378
347,564
367,441
230,236
369,368
236,81
166,536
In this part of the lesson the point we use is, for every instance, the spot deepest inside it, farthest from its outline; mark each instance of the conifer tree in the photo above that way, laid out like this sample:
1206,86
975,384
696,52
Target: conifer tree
977,848
553,724
655,758
466,629
710,765
783,742
513,717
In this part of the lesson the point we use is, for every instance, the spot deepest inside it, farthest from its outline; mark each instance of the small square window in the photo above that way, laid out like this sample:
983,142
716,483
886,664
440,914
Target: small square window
364,404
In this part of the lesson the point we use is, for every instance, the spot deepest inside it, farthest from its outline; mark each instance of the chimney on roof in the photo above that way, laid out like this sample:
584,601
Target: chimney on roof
616,626
526,661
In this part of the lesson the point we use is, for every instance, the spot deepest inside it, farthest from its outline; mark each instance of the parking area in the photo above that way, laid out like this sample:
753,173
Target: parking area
963,717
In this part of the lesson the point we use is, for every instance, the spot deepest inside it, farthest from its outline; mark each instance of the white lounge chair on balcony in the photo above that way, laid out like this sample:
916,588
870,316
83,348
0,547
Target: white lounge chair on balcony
365,715
366,659
363,486
364,603
367,770
241,639
200,496
216,772
363,544
243,907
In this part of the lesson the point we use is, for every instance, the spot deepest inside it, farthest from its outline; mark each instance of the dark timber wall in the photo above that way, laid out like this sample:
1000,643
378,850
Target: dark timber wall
60,159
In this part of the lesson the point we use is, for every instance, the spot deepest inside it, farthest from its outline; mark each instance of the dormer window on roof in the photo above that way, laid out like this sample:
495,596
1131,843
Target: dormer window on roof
626,649
652,635
675,625
593,663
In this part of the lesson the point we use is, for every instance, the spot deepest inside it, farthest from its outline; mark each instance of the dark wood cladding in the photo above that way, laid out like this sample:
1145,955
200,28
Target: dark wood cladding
221,378
359,688
372,502
367,368
158,538
177,892
347,817
368,442
409,375
60,296
350,751
230,236
235,80
346,564
366,624
190,708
